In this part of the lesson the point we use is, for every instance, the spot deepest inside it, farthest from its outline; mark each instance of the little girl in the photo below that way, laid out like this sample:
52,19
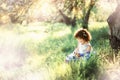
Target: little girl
84,47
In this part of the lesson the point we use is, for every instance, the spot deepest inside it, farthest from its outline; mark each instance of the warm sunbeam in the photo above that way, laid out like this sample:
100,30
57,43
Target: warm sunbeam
12,52
46,9
37,36
42,10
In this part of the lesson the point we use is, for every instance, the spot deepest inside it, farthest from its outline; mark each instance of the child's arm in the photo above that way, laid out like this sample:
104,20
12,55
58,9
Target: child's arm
76,50
88,49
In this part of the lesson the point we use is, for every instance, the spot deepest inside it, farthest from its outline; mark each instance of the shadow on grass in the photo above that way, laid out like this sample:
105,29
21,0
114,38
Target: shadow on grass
99,34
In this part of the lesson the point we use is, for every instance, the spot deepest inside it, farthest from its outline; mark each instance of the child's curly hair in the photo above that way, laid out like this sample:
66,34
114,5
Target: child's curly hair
83,33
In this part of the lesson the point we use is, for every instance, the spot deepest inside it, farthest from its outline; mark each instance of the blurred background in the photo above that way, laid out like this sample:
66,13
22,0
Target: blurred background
37,35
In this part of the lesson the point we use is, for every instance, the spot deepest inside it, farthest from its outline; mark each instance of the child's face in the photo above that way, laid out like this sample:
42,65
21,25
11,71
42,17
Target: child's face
80,40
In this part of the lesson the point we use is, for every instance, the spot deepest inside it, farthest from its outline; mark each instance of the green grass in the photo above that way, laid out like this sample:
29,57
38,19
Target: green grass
49,44
58,47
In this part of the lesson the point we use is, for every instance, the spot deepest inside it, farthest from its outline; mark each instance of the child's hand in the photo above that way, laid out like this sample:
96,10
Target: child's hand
77,54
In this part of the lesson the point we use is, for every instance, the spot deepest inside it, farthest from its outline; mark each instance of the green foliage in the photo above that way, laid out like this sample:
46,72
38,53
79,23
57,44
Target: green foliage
50,52
89,69
57,47
61,46
80,9
79,70
99,32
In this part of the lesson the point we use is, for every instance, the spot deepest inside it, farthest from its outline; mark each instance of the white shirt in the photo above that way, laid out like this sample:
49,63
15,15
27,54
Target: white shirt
82,48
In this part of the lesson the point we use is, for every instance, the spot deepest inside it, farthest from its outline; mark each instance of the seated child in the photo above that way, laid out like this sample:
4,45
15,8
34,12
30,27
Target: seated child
84,47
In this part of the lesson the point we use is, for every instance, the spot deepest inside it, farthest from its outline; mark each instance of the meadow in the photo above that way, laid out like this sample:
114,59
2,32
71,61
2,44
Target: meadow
42,48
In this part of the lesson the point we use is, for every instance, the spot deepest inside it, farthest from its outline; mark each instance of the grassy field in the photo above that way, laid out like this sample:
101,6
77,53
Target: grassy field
39,50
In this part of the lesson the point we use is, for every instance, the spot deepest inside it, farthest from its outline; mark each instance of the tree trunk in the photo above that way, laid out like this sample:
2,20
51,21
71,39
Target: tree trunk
114,26
86,17
67,20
